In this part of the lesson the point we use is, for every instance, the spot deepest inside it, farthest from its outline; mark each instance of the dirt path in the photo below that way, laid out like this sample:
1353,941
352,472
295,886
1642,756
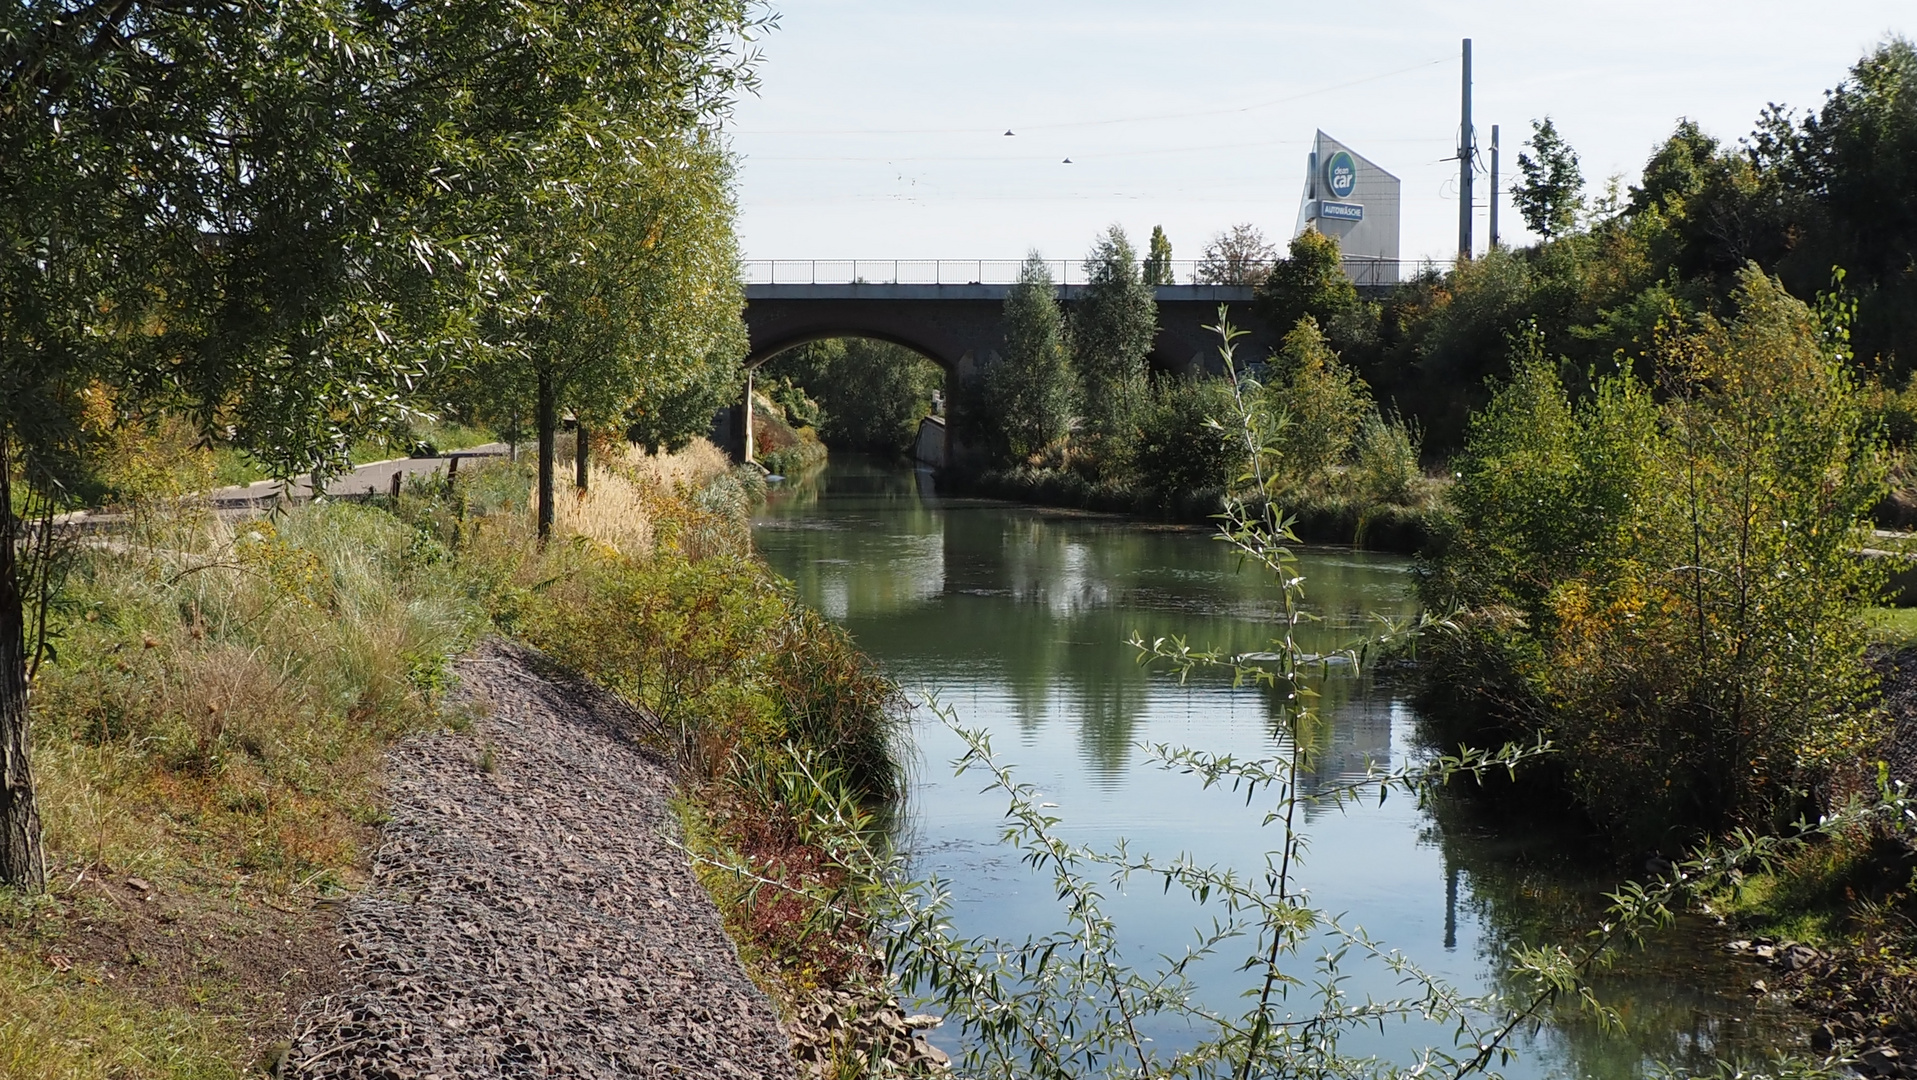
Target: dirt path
527,915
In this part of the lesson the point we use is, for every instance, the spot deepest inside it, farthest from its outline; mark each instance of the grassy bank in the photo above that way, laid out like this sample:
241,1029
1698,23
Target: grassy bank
210,724
1320,517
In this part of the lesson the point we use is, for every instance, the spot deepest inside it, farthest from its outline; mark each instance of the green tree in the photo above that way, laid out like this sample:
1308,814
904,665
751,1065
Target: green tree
1183,451
1676,171
1309,281
1111,332
872,394
1158,268
622,303
1670,592
271,218
1846,176
1322,403
1549,195
1025,396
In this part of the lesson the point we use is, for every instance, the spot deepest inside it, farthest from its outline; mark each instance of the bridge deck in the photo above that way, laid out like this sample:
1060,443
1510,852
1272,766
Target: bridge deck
1220,294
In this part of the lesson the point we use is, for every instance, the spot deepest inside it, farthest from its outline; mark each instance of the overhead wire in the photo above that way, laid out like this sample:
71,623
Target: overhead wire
1110,121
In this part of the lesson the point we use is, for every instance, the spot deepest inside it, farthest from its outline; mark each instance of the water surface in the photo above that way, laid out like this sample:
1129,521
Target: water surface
1017,618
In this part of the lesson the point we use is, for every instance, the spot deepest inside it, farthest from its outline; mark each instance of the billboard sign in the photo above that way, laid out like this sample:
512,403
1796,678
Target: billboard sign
1348,196
1341,175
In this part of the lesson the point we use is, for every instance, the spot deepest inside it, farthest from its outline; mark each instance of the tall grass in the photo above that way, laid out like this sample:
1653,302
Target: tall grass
215,714
245,675
659,597
210,727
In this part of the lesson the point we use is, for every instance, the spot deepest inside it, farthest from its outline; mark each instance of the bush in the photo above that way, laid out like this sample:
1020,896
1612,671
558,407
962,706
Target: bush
1182,451
1386,469
1322,403
1685,603
693,628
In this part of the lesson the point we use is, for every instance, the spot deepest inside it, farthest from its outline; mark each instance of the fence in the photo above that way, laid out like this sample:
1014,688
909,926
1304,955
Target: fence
1368,272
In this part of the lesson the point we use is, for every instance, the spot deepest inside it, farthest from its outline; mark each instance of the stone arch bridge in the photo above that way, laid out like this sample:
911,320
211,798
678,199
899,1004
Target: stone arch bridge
959,327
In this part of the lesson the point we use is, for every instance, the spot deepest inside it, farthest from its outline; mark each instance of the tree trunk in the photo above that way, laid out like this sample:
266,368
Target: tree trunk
582,447
548,421
22,862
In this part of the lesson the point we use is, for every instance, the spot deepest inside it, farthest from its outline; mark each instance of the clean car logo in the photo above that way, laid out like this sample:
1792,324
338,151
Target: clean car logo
1341,175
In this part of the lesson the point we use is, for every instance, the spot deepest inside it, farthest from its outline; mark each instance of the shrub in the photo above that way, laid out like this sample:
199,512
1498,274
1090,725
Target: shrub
1181,449
1322,403
1386,468
1686,604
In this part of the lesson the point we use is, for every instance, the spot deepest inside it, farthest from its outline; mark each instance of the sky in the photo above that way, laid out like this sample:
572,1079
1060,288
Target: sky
878,129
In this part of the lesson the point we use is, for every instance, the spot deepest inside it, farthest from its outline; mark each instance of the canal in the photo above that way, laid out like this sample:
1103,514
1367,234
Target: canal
1017,619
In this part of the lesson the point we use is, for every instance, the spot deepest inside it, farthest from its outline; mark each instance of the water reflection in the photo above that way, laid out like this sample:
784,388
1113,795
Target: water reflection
1018,618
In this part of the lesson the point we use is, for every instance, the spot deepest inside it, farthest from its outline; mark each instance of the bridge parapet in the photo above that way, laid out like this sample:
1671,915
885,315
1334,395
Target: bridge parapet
1366,273
995,293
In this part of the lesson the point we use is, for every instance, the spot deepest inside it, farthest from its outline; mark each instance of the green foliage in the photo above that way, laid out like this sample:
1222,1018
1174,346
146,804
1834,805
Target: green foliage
678,637
1022,401
1182,451
1845,177
1684,602
1677,171
871,394
623,305
1549,196
715,647
1158,257
1310,281
1322,403
1112,328
1387,469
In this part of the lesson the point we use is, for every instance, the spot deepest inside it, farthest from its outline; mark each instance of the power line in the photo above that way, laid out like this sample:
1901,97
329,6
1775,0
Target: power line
1066,124
1094,156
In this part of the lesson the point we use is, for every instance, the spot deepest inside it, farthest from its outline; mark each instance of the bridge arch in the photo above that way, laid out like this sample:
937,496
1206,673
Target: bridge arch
960,327
765,349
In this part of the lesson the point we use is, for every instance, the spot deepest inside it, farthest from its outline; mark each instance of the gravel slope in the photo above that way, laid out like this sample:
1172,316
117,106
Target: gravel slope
527,916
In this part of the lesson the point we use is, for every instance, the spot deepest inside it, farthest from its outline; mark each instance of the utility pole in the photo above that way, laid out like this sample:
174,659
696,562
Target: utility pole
1494,185
1467,143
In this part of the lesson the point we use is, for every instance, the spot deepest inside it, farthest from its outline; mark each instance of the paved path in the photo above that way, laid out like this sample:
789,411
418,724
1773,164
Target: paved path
372,478
529,915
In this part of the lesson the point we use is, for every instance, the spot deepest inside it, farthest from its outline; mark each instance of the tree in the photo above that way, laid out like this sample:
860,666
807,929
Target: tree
1158,268
1851,170
1309,281
270,217
1665,584
1025,396
1112,331
872,394
623,303
1676,171
1238,256
1548,196
1323,402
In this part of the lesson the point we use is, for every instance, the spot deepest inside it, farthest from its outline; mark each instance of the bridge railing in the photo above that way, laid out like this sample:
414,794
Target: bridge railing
1363,271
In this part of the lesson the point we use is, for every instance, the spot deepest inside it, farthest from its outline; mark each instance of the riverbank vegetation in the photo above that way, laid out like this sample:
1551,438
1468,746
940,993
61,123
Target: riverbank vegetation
1072,415
1663,581
213,714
